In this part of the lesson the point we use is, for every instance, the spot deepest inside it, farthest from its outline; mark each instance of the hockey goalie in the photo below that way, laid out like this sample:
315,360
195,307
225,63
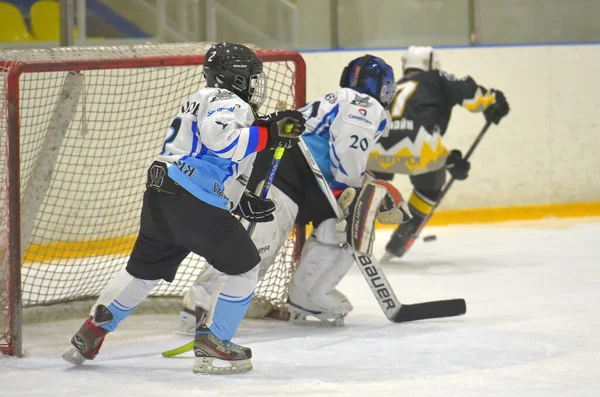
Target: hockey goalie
341,130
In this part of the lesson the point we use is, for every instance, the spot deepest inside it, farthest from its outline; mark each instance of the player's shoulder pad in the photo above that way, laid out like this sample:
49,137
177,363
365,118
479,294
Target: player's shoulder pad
220,102
360,109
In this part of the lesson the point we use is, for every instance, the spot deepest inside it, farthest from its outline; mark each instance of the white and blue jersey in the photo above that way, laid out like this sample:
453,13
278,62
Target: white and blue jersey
211,145
341,130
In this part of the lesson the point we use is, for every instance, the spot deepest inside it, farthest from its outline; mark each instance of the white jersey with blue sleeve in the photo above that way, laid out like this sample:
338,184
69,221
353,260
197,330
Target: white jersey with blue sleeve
341,130
211,145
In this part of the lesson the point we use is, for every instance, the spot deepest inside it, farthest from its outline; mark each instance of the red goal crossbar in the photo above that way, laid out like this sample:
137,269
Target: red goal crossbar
18,67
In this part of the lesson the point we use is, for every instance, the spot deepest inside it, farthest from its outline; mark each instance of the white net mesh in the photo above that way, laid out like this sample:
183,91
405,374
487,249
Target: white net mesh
86,139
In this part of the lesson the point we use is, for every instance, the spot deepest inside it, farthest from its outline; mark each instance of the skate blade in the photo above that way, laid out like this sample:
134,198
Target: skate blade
387,257
304,322
216,366
72,356
312,320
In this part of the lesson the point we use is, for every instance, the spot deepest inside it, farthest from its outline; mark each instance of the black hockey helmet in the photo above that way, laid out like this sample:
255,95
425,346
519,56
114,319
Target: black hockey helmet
238,69
372,76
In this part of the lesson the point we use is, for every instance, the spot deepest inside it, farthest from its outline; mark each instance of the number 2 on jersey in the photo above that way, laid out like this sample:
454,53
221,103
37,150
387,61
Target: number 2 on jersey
405,90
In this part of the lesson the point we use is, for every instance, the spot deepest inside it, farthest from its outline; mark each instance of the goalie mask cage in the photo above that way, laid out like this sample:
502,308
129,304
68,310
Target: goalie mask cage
79,127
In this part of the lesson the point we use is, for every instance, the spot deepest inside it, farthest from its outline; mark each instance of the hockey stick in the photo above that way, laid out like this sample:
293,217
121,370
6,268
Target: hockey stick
263,194
396,311
269,181
393,309
387,256
179,350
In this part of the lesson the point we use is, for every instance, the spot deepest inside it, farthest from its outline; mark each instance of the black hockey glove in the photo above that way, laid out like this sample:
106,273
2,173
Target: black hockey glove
457,166
284,127
255,209
498,110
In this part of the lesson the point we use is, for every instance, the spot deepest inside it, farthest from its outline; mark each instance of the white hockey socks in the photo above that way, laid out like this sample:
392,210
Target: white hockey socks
121,295
323,264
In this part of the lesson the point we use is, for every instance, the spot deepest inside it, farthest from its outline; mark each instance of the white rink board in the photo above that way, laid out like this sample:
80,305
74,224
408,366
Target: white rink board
544,152
533,311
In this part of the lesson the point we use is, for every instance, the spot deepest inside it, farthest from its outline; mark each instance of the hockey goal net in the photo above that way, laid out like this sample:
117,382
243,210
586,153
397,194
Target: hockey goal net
79,126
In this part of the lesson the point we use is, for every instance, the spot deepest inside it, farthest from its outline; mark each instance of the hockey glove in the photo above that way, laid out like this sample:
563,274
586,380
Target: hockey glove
284,127
393,210
498,110
457,166
255,209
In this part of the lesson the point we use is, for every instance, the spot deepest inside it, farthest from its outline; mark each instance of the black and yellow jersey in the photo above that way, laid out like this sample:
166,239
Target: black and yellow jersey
420,114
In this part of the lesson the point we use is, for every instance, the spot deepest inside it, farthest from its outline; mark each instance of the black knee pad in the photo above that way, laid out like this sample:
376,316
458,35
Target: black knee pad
430,184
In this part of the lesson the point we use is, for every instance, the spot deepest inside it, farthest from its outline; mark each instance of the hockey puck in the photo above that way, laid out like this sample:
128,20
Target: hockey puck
429,238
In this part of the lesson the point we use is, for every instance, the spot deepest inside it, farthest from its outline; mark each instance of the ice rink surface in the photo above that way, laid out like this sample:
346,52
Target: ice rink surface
532,328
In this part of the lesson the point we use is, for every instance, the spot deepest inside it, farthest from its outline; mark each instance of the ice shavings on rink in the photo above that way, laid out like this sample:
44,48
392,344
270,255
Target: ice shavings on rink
531,329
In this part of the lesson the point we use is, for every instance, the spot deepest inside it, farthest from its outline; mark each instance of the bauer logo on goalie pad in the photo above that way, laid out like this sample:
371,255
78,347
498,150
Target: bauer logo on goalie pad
156,174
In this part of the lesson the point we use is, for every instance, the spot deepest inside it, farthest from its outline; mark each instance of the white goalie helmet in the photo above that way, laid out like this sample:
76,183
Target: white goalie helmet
421,58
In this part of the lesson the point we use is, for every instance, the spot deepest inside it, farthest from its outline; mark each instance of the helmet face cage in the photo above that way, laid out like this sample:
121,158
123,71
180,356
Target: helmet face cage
388,87
257,90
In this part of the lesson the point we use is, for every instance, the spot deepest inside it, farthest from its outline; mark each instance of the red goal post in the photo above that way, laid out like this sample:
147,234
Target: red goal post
79,127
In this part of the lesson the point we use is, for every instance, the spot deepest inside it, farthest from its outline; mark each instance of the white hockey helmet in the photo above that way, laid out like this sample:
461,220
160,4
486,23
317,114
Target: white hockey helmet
421,58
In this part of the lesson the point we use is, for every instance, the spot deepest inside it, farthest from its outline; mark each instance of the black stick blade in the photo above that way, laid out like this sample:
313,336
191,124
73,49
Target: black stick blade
434,309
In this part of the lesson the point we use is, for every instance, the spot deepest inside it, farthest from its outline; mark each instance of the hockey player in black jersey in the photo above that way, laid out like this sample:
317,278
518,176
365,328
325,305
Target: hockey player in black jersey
420,113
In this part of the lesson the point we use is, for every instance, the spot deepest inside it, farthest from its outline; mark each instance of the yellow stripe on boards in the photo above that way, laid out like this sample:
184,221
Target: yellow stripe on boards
517,213
61,250
121,246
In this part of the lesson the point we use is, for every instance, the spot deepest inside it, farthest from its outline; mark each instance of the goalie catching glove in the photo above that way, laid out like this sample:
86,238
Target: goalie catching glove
393,210
284,128
255,209
377,200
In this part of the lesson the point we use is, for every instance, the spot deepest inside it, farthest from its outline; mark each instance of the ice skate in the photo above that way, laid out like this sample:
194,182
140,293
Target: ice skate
215,356
86,343
302,316
401,239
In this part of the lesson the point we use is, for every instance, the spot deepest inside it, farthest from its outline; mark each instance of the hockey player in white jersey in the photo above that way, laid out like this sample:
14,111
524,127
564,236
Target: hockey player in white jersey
341,129
194,184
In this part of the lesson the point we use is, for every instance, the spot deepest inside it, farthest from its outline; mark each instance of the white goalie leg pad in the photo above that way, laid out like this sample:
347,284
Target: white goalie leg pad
269,238
224,298
323,264
204,292
121,295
